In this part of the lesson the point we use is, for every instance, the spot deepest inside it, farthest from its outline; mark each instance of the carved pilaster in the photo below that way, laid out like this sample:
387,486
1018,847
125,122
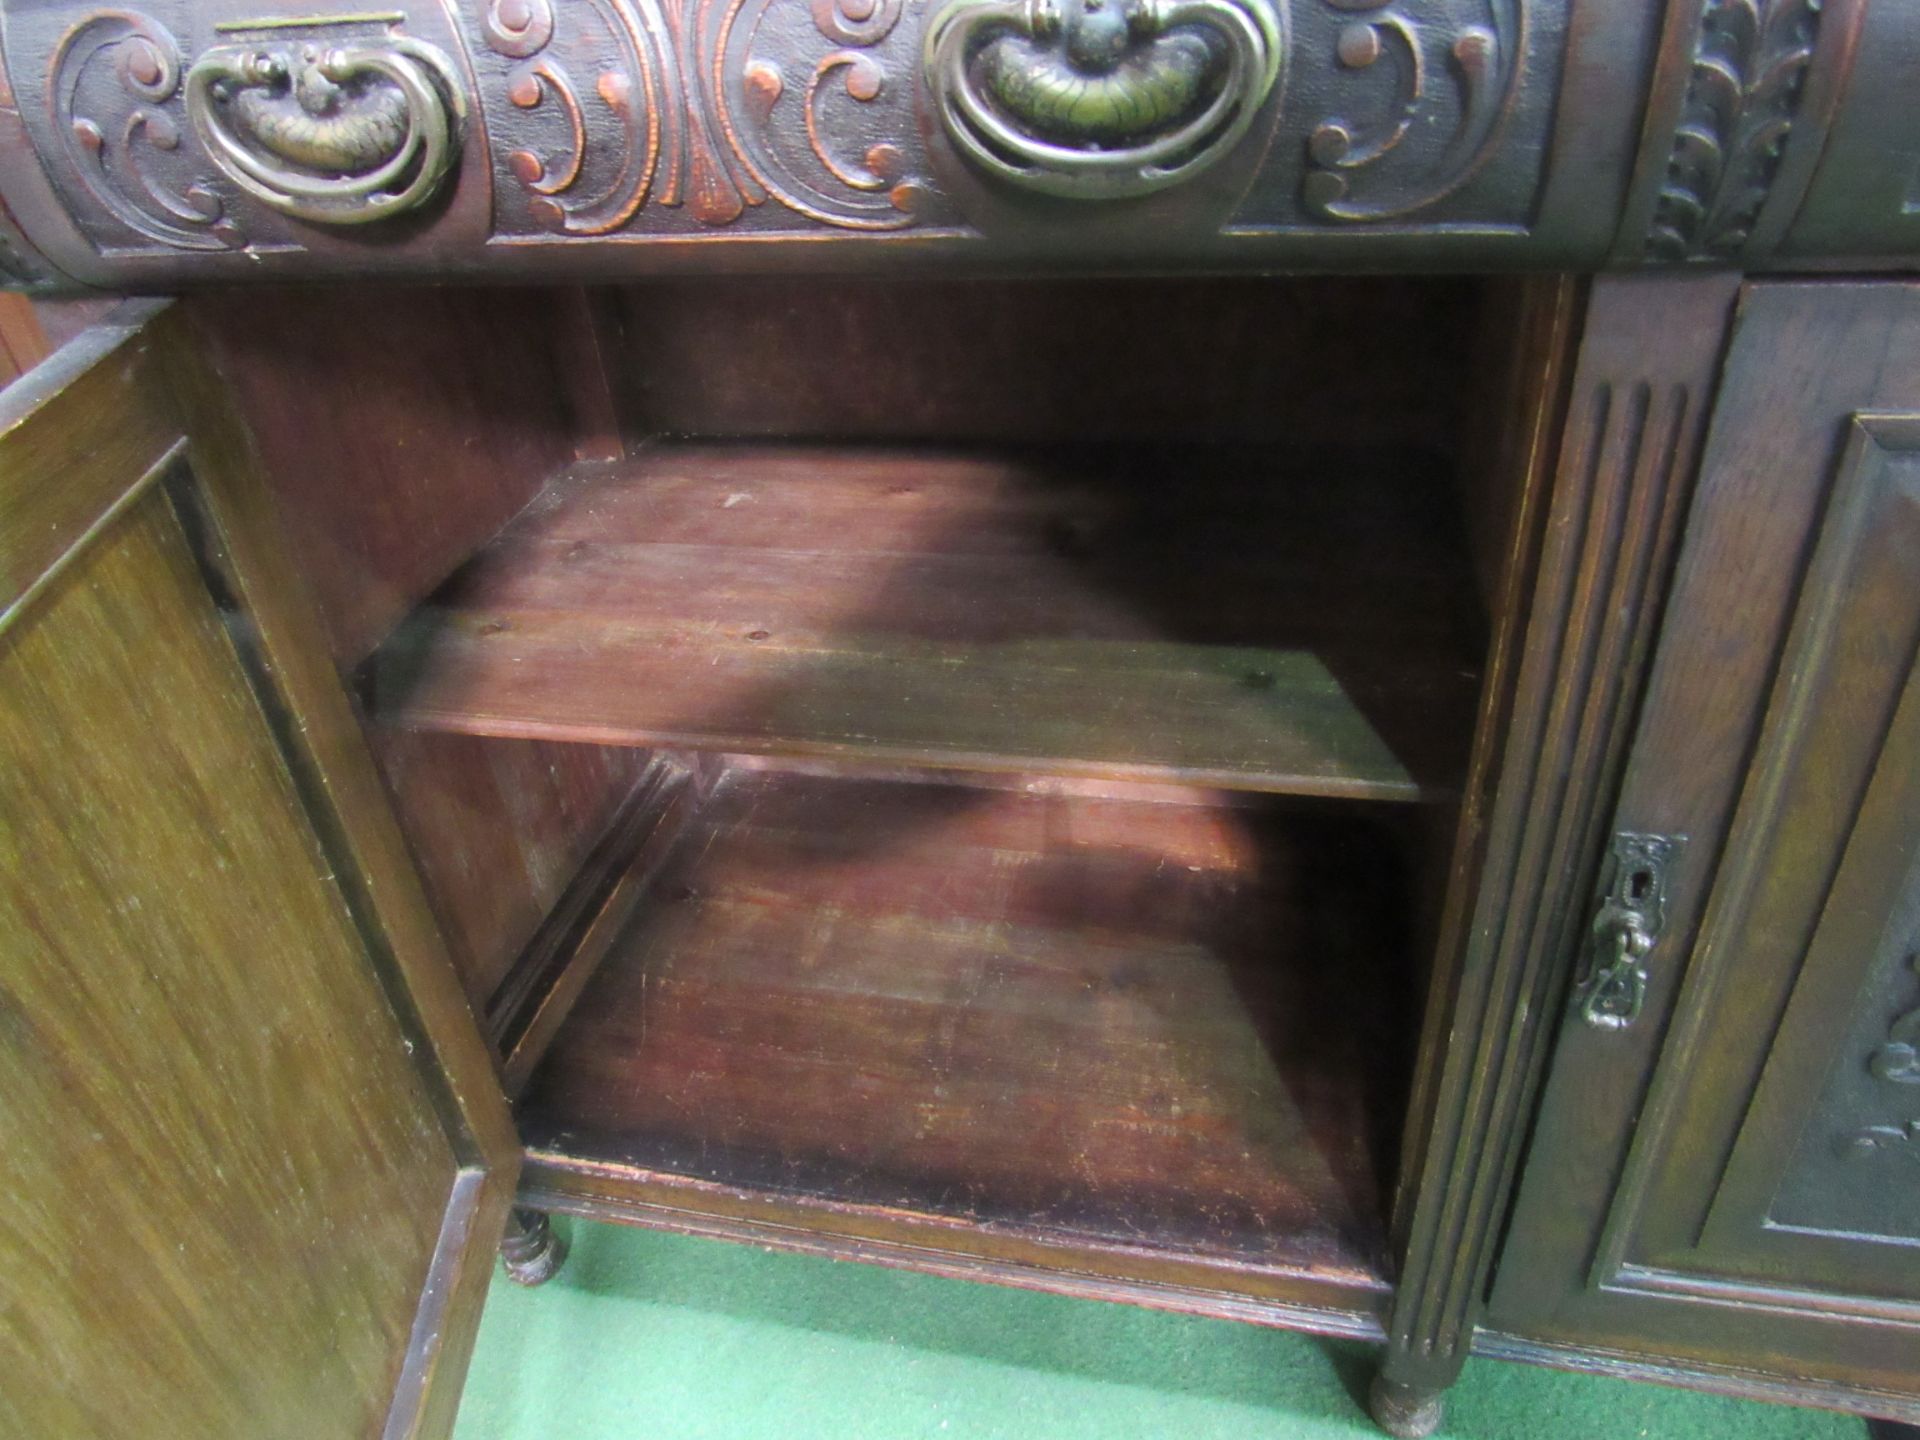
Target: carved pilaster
1570,684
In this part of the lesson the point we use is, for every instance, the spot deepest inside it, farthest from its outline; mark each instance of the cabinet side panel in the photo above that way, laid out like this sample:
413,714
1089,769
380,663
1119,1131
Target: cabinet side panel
399,430
499,828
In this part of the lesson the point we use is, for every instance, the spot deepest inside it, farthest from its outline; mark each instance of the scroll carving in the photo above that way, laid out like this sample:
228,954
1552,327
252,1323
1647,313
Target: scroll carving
1895,1061
1898,1060
628,86
134,60
1462,77
1743,97
683,115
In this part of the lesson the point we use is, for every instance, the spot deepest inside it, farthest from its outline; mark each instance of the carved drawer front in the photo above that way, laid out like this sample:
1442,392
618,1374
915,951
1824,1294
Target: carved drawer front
203,139
232,137
228,130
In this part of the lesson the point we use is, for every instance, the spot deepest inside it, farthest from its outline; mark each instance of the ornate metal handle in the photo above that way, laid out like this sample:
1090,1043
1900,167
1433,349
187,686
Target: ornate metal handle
1100,98
337,134
1626,928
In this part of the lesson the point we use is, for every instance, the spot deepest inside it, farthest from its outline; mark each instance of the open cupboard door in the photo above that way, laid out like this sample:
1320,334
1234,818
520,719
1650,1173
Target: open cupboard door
255,1159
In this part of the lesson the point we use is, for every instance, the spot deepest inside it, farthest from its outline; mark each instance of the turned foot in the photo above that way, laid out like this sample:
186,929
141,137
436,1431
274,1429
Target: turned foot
1405,1411
532,1249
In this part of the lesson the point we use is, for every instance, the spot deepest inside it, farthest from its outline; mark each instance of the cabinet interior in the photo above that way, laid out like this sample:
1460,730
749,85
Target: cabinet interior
934,770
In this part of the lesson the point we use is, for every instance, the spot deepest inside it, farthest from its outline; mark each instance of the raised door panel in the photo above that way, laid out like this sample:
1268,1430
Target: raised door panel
250,1190
1728,1184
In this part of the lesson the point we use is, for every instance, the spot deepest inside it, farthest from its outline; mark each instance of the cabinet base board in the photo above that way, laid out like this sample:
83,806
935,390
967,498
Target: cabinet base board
1345,1306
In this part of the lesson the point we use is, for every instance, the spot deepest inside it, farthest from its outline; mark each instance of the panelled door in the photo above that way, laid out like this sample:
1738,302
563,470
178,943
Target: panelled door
253,1161
1725,1175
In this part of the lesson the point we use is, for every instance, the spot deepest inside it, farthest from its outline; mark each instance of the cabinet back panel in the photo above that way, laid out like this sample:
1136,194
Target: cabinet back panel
1320,362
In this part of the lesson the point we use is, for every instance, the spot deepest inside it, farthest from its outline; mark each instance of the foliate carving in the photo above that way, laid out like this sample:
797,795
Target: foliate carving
1743,95
116,86
1458,76
681,113
1096,98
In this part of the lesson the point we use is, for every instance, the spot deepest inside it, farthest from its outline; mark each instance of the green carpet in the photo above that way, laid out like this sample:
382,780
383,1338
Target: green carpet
653,1337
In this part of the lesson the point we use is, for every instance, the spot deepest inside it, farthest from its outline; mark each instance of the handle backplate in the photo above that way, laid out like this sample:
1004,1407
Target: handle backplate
1626,927
1094,99
336,134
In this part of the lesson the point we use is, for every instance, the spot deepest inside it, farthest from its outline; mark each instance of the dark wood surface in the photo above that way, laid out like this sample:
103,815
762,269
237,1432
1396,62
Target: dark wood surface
248,561
398,429
1433,135
1358,363
1223,617
203,1083
234,1168
23,340
534,998
962,969
68,467
1176,1027
1695,1192
498,830
1592,558
396,432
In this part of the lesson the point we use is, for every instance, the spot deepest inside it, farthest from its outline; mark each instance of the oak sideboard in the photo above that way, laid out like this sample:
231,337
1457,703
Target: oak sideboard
1253,656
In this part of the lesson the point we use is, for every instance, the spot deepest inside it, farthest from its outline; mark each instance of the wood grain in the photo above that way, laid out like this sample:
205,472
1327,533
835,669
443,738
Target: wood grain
399,429
249,564
1329,361
1071,1023
498,830
23,343
1216,617
532,1001
1650,1219
77,431
225,1177
1554,739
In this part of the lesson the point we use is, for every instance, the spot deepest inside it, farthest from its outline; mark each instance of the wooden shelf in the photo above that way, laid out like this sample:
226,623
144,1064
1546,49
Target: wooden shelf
1146,1040
1213,616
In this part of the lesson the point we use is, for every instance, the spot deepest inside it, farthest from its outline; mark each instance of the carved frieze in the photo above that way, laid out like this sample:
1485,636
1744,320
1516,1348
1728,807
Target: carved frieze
212,128
501,134
1454,84
698,111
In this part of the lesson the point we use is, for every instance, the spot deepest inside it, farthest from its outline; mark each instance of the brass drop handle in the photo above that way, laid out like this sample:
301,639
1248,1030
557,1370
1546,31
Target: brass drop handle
336,134
1616,991
1626,928
1095,99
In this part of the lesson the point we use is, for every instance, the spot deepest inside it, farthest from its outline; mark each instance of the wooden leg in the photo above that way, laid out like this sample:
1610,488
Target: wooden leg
1408,1412
532,1249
